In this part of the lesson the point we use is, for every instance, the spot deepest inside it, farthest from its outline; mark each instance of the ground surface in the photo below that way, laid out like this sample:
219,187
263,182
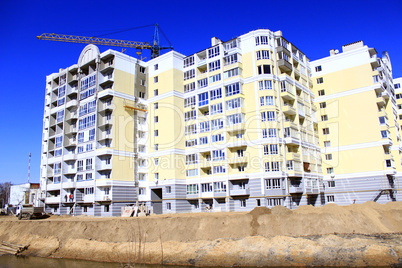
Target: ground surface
355,235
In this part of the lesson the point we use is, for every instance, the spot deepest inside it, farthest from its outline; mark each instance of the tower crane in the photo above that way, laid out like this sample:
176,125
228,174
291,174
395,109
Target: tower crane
154,47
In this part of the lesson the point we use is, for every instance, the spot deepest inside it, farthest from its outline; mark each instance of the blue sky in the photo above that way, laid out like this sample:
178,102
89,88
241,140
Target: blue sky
314,26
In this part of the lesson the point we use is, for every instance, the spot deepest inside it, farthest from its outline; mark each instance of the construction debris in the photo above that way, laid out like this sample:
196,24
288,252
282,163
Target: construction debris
7,248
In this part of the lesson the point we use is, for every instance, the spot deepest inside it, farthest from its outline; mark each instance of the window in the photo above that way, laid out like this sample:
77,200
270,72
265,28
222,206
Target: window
232,89
89,147
61,101
156,119
275,166
217,124
261,40
216,94
62,91
318,68
192,189
189,87
239,135
218,155
263,54
235,119
155,79
321,92
216,108
191,143
59,141
80,165
242,203
89,190
203,83
323,105
271,116
330,170
324,117
212,52
88,176
215,65
272,184
156,67
265,133
331,184
188,61
265,84
156,133
203,140
155,92
325,131
142,82
190,115
264,69
189,74
191,129
388,163
272,202
382,120
88,163
233,104
320,80
60,116
267,100
142,69
398,85
215,78
231,73
218,137
191,159
106,208
328,157
330,198
189,101
230,59
274,148
327,143
263,117
219,169
272,132
204,126
168,189
156,106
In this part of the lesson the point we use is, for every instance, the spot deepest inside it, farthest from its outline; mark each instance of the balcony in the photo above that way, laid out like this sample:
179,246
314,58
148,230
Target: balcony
69,184
288,109
86,199
285,65
70,129
70,142
71,115
53,186
52,200
103,198
105,121
71,90
70,170
239,192
293,156
287,94
290,124
71,103
70,156
236,128
380,99
107,106
104,166
104,136
312,190
296,189
238,160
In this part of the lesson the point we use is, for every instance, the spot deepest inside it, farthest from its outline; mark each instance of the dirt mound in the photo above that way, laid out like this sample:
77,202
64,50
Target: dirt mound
227,239
281,210
259,211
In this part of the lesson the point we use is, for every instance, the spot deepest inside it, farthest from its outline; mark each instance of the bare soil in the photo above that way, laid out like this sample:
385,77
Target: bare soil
368,234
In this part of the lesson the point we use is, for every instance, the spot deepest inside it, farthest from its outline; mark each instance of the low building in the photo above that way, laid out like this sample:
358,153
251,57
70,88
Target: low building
26,193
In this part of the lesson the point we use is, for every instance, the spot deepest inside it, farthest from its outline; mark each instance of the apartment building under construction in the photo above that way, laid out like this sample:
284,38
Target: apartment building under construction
228,128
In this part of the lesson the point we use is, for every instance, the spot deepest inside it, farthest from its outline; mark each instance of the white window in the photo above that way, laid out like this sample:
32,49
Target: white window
234,104
318,68
190,115
141,191
231,73
331,184
232,89
219,187
320,80
274,148
330,198
89,191
216,94
189,74
169,206
263,54
59,141
325,131
192,189
189,101
156,161
216,108
265,133
191,159
156,67
203,140
204,126
327,143
188,61
215,78
155,79
218,155
217,124
212,52
203,83
324,117
275,166
219,169
272,202
272,132
206,187
230,59
261,40
271,116
88,165
330,170
189,87
215,65
191,143
265,84
264,69
235,119
328,157
218,137
191,129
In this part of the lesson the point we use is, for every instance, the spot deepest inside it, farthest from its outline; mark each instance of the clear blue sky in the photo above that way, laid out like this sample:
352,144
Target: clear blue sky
314,26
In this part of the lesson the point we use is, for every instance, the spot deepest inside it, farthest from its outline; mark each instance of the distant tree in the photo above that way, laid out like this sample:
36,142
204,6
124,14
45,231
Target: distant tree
4,193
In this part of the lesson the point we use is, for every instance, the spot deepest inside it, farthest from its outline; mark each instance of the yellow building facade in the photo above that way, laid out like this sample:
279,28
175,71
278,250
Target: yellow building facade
358,128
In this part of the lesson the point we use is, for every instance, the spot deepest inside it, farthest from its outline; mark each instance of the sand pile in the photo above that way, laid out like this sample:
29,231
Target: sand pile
329,235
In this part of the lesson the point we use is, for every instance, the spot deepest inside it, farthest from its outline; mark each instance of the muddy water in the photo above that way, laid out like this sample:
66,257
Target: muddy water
9,261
